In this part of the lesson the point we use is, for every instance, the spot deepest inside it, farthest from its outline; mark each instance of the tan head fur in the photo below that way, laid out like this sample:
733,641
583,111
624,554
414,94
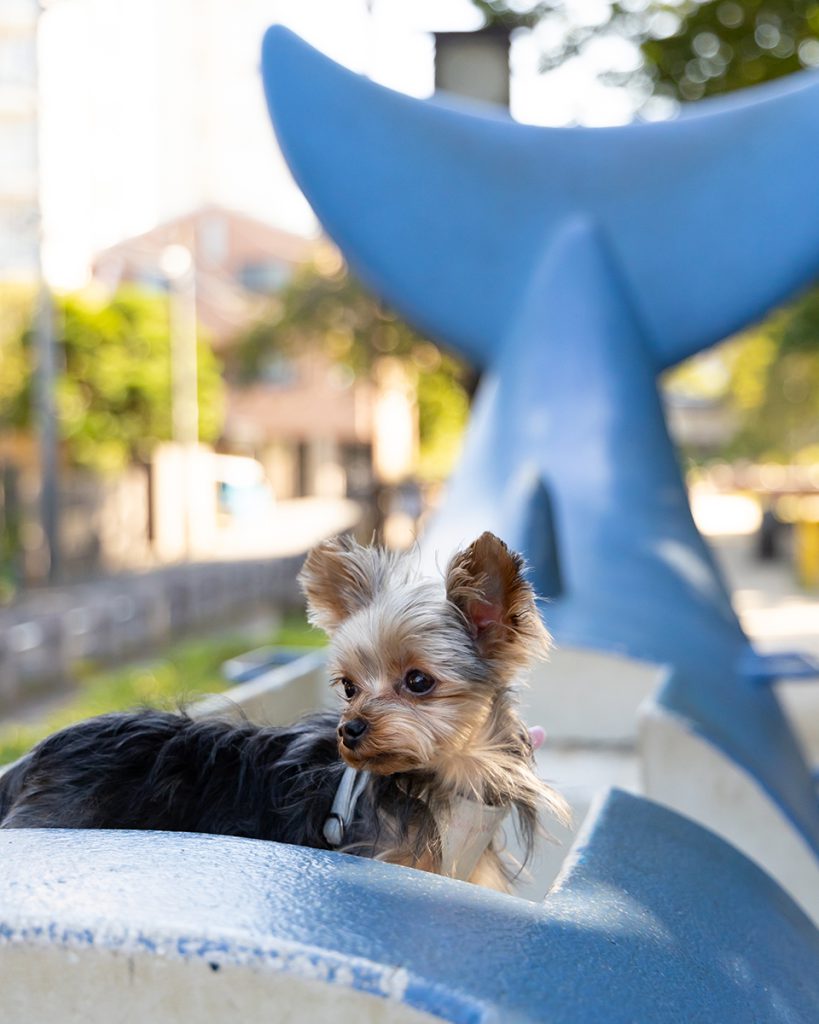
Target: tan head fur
422,665
427,669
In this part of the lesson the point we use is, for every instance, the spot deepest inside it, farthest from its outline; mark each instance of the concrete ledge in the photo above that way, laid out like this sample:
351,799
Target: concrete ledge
76,985
654,920
582,696
800,702
276,697
684,771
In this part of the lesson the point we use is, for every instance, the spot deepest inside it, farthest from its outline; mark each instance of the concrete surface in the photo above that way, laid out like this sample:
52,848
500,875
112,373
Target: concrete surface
654,919
687,773
779,616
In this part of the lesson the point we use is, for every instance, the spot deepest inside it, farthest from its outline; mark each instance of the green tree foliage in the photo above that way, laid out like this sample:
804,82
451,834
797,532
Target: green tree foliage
774,384
497,14
16,303
325,308
114,382
689,49
730,44
114,396
567,30
773,369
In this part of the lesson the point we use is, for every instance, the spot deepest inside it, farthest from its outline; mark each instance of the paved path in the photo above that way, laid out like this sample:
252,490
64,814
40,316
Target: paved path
772,607
774,610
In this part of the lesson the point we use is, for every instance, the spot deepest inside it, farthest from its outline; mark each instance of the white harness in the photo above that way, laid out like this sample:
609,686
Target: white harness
471,826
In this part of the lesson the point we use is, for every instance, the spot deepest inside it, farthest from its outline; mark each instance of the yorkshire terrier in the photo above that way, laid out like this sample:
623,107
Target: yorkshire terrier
428,755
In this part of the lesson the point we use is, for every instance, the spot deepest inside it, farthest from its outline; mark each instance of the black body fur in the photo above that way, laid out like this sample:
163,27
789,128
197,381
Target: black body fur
154,770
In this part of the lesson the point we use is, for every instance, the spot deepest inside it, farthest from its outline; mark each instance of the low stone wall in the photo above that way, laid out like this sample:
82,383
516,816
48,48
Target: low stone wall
47,632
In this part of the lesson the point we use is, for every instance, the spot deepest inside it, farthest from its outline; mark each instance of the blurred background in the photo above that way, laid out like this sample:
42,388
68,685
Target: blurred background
191,379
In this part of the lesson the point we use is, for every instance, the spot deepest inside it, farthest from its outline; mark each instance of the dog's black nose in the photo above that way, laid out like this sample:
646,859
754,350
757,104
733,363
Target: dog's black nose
352,731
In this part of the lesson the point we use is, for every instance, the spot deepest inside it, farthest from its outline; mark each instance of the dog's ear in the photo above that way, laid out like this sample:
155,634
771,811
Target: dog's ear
486,583
338,578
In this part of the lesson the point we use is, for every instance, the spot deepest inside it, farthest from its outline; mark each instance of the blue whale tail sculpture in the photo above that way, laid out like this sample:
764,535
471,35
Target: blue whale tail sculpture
573,266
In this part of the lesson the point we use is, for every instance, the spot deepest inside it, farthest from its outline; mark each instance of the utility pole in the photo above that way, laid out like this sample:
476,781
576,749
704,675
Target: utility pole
21,238
46,372
47,428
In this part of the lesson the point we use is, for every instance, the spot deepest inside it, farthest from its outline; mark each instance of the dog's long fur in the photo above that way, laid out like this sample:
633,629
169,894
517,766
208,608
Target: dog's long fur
388,629
158,770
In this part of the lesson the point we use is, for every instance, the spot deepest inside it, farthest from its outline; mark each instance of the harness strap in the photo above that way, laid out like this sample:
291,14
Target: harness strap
469,831
341,813
471,828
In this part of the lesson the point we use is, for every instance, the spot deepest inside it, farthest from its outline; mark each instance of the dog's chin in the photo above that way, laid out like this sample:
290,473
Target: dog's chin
377,763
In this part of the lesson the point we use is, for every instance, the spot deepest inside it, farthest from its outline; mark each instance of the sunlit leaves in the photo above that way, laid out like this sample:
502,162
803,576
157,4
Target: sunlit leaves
113,390
730,44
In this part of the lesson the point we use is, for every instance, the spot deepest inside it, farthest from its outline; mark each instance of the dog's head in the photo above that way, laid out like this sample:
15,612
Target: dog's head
419,664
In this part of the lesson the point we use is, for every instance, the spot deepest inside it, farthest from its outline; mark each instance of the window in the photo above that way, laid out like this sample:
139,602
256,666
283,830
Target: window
265,278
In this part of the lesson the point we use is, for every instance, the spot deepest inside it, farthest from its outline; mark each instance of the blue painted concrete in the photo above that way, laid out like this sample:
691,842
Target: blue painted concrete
658,920
573,265
765,669
447,212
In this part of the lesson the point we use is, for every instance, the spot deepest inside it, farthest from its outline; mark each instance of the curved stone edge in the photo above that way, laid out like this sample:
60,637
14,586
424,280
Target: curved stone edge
308,963
684,770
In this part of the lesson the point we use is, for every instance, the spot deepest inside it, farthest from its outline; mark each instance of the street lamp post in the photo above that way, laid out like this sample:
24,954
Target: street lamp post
177,264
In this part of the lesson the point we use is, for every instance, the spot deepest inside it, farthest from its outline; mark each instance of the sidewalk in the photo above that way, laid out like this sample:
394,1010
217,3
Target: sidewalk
775,612
778,616
772,608
291,528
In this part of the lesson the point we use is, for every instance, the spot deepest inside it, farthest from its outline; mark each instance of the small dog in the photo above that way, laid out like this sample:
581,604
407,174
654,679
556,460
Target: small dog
428,754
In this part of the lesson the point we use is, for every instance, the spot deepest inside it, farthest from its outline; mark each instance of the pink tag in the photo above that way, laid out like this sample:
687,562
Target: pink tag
537,735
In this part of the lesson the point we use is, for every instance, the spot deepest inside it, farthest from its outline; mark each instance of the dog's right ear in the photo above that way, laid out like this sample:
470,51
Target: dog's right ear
338,577
486,583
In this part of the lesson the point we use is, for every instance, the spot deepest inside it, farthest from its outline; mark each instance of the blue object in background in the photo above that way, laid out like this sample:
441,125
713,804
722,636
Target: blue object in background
656,920
573,266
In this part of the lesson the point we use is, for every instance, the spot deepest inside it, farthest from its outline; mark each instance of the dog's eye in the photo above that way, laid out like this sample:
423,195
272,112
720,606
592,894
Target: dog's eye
418,682
349,687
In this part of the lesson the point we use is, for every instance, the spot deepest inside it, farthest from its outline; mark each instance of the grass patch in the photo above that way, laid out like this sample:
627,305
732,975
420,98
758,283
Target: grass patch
186,670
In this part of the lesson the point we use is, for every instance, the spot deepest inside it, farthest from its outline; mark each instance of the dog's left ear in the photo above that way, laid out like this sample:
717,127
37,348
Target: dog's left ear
486,583
338,578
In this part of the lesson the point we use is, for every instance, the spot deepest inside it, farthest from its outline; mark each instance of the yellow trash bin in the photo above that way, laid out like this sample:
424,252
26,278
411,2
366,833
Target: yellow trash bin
807,551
